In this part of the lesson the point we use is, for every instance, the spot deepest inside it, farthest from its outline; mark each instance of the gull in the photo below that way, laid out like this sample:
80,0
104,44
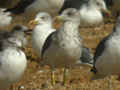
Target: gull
13,61
5,18
91,11
107,55
41,31
29,7
63,47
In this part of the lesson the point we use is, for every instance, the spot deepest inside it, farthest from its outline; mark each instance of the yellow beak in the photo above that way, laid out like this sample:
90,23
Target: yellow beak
32,23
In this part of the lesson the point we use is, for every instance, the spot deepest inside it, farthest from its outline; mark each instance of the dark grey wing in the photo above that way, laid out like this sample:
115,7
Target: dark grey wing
99,50
73,4
20,7
47,43
86,56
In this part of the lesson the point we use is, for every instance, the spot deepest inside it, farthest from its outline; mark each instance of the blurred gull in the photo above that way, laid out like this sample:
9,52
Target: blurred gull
41,31
91,11
12,58
107,55
34,6
5,18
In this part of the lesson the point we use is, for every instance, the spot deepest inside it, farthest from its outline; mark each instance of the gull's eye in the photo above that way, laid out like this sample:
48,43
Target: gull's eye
70,13
43,18
98,3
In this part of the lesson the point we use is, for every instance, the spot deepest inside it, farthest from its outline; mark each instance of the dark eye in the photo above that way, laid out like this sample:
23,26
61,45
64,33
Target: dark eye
69,13
98,3
43,18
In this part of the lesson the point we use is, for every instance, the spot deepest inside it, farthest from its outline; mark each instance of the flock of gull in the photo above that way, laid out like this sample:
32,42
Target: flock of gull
62,47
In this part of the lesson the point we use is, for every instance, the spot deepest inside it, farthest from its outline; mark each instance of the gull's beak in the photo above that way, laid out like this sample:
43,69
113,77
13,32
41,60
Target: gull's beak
32,23
106,12
57,21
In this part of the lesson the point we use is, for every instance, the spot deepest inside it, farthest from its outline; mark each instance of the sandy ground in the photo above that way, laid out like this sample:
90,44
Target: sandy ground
38,78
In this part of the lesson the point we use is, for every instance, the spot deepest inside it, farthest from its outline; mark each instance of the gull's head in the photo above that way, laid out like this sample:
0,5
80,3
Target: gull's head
5,18
42,18
100,6
2,11
18,35
70,14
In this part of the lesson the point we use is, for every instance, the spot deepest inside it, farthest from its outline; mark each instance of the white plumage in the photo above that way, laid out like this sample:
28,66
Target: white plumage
5,18
91,13
41,31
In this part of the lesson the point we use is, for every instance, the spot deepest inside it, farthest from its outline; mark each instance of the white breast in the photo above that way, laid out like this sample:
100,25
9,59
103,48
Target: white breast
12,66
39,36
90,17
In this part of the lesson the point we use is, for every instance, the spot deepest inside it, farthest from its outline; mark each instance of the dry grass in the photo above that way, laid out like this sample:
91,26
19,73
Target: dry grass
38,78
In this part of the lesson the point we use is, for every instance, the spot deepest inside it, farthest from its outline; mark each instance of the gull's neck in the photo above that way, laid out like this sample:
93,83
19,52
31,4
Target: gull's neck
8,45
47,24
71,28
